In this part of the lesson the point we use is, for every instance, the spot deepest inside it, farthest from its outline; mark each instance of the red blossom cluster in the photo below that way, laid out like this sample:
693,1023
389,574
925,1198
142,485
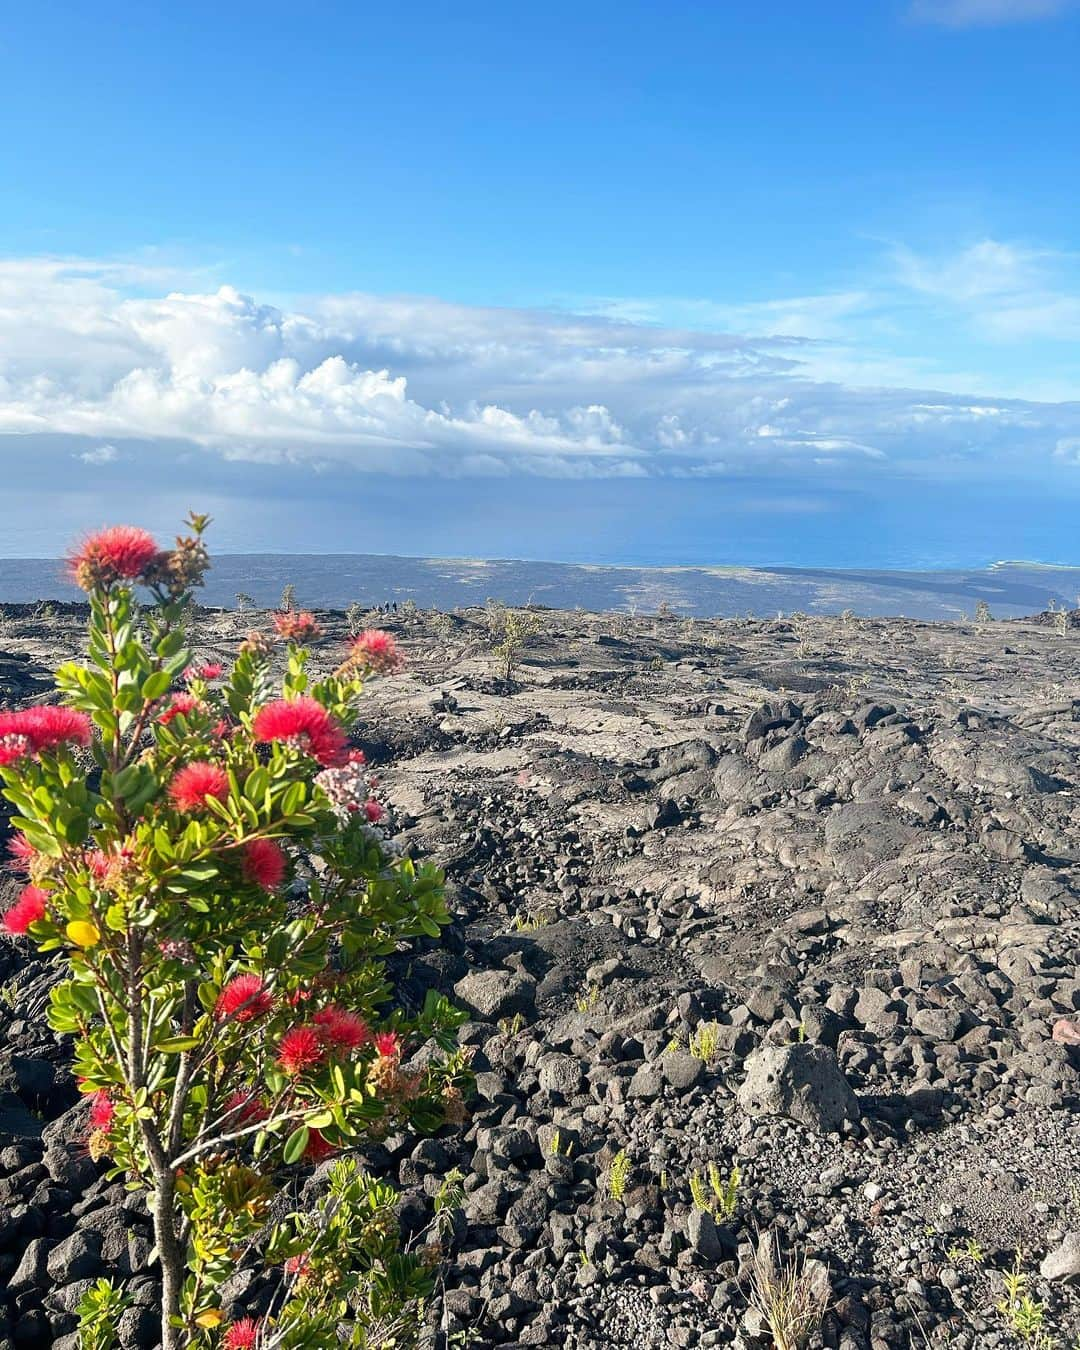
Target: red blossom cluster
305,723
179,706
242,1335
32,730
21,854
244,1108
244,998
297,625
29,907
197,781
377,651
120,553
341,1030
318,1148
264,864
300,1049
102,1111
211,670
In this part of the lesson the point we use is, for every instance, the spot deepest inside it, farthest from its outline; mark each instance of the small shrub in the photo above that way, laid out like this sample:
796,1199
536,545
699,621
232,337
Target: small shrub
705,1042
517,628
586,1002
1024,1315
619,1175
223,1034
99,1312
722,1195
531,923
789,1295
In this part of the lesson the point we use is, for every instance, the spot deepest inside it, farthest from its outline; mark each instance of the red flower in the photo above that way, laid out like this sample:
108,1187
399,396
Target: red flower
13,748
192,786
242,1335
387,1044
378,651
298,1265
101,1111
300,1049
297,626
305,723
341,1030
374,811
29,907
21,853
98,862
211,670
244,1108
264,863
244,998
179,706
120,553
43,728
318,1148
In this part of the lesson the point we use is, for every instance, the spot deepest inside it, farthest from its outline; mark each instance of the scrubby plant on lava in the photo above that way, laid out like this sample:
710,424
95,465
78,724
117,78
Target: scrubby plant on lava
224,1033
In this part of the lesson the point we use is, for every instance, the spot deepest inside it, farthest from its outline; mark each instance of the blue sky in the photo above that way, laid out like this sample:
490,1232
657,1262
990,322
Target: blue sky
796,281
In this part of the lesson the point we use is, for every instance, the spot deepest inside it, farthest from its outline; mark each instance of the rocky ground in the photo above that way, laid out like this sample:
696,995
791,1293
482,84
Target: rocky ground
798,898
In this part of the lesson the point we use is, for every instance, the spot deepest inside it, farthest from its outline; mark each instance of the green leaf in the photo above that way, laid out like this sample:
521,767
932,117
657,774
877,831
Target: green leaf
208,996
176,1045
155,685
296,1145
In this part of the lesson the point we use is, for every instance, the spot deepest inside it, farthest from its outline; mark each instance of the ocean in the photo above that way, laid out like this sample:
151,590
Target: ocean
335,581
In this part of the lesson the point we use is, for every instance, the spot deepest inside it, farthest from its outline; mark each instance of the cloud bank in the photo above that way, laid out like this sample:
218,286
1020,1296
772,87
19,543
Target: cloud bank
104,353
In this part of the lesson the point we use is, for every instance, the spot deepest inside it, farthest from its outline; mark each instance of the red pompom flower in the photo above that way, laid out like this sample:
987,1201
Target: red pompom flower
300,1049
305,723
101,1111
179,706
29,907
242,1335
297,626
13,748
264,863
340,1029
192,786
377,650
120,553
210,670
42,728
387,1044
21,853
318,1147
244,998
244,1108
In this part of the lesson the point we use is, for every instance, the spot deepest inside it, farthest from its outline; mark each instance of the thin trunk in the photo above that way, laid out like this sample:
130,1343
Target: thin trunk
171,1258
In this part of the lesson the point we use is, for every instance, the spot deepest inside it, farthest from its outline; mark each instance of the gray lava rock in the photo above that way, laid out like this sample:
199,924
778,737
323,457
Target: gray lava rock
1063,1263
803,1082
496,993
559,1073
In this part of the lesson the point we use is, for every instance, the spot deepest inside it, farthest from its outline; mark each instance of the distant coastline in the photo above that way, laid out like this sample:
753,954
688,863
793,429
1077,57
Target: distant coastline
336,581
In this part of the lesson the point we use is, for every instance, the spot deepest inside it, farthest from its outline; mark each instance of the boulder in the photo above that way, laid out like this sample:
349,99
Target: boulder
803,1082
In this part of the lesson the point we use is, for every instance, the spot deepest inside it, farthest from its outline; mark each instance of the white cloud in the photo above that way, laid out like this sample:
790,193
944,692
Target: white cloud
108,354
100,454
977,13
